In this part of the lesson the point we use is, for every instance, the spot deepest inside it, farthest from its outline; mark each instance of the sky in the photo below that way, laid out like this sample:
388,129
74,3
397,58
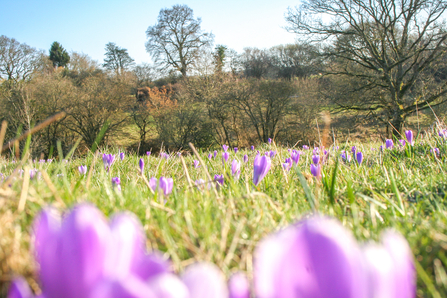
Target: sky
86,26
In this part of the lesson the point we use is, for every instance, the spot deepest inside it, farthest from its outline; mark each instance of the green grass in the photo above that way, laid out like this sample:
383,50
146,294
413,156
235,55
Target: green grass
402,189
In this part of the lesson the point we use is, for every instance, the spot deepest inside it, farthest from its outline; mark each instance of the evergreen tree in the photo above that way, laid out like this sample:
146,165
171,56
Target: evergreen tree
117,59
59,55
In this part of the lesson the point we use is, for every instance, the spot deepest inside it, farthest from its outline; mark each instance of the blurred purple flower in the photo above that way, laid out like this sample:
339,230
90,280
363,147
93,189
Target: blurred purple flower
210,156
316,150
345,156
442,133
402,143
295,156
116,183
219,179
235,149
141,165
245,158
435,151
32,173
409,136
305,147
153,183
122,155
215,153
318,257
316,159
166,185
225,147
315,170
108,160
179,154
287,165
252,147
196,164
389,144
148,153
269,140
261,166
82,170
225,156
236,169
359,157
353,150
238,286
272,154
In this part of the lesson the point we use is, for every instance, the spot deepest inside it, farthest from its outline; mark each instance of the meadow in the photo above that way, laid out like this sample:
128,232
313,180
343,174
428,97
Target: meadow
222,219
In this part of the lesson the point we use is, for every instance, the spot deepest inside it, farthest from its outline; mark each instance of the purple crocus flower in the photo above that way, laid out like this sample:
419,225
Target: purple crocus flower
235,149
32,173
295,156
19,288
141,165
402,143
435,151
219,179
269,140
409,136
203,280
122,155
305,147
315,170
153,183
236,169
215,153
238,286
225,156
200,183
84,256
196,164
261,166
316,159
389,144
252,147
108,160
442,133
225,147
353,150
179,154
210,156
166,185
287,165
82,170
245,158
316,151
272,154
345,156
116,183
148,153
359,157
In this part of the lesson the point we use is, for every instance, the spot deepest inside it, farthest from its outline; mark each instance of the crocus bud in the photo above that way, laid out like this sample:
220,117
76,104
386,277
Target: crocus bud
166,185
316,159
270,140
196,164
215,153
252,147
116,183
122,155
210,156
359,157
295,156
141,164
353,150
409,136
235,149
236,169
225,156
245,158
238,286
315,170
261,166
153,183
82,170
389,144
225,147
148,153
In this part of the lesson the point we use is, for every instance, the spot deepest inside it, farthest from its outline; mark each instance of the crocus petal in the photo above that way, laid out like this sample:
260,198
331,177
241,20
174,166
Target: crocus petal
153,183
315,258
404,268
83,251
261,167
19,289
238,286
379,270
130,287
205,281
168,286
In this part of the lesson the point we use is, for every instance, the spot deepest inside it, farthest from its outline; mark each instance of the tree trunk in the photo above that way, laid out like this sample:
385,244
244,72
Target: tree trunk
397,124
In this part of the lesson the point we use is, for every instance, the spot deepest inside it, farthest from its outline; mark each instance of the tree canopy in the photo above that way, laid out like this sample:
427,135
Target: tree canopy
58,55
175,41
117,59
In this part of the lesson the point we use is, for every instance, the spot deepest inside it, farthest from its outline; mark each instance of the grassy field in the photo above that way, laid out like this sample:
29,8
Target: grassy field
404,188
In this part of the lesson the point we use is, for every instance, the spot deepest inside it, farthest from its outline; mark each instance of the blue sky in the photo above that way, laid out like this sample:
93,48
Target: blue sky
86,26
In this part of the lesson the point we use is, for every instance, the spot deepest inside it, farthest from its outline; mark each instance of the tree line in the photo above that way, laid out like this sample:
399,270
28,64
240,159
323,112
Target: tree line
377,62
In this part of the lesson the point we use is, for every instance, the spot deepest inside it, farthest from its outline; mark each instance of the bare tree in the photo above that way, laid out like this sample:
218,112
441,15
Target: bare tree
17,60
174,42
390,47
